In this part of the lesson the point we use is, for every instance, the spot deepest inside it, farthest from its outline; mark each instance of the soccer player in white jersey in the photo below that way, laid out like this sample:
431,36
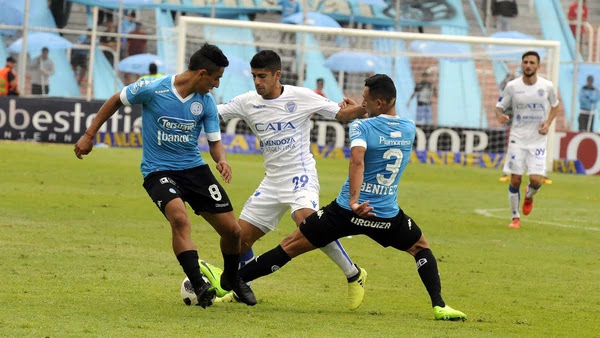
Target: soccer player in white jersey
380,149
534,104
175,109
280,117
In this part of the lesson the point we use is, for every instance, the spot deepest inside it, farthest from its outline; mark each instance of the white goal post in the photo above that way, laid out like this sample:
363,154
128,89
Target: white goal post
192,31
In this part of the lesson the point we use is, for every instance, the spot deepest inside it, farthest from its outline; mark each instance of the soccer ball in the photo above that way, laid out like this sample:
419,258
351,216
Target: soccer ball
187,292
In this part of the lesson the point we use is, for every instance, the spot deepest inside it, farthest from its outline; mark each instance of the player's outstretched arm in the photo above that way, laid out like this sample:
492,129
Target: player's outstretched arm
356,176
502,118
217,152
85,144
350,110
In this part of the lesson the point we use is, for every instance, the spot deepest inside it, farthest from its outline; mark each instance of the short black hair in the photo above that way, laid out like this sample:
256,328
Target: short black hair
153,69
45,49
382,87
531,52
11,59
268,59
208,57
320,80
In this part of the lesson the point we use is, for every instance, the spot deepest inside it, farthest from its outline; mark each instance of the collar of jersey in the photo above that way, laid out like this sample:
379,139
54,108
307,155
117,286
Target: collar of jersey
386,116
183,100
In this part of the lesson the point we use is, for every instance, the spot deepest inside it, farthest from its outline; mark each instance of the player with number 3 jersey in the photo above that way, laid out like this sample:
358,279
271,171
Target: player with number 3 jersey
535,104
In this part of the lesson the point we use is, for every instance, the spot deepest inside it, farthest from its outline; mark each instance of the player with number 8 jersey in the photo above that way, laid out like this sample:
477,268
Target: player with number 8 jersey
280,118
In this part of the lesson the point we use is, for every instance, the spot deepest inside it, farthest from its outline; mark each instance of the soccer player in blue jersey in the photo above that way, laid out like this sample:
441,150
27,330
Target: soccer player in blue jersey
175,109
380,150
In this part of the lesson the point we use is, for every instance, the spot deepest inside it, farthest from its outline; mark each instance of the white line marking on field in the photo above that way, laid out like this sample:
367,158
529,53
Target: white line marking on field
490,213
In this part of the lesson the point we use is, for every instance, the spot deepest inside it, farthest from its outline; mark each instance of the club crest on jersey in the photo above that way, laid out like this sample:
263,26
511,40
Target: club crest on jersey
540,92
196,108
290,106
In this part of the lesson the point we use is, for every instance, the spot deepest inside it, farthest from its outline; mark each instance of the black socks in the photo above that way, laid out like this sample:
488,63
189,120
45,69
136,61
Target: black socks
264,264
430,276
230,270
189,262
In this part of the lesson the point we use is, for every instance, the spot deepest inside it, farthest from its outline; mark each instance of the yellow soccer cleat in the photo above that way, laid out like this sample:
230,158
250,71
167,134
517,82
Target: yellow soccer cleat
356,290
448,313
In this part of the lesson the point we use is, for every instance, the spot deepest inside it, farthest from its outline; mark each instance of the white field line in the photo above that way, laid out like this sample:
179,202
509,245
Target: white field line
490,213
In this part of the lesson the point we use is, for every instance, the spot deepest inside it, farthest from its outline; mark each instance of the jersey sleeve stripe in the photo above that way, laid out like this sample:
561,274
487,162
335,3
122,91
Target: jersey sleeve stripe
358,143
123,97
216,136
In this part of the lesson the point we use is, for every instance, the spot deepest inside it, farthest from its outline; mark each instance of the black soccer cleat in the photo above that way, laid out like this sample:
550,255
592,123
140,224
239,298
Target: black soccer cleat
241,291
205,295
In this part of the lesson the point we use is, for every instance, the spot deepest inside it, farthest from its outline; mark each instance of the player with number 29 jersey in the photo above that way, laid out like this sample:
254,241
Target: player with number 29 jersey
389,140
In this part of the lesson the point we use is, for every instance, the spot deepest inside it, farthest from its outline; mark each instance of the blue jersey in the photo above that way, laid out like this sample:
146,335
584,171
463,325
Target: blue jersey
388,140
171,124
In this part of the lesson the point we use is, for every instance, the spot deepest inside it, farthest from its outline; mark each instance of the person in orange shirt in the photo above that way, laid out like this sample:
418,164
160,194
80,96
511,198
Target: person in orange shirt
320,84
8,78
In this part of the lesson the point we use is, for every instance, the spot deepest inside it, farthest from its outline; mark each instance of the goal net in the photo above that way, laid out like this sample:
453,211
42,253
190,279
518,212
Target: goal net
447,84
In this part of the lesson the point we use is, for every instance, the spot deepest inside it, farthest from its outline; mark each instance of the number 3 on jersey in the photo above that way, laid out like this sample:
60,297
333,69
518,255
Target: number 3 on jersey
302,180
393,167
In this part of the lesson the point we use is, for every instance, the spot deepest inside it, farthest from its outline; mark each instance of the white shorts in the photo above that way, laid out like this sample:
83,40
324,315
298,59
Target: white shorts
265,208
518,158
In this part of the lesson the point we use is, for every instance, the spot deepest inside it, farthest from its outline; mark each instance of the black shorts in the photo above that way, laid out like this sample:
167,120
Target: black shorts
196,186
333,222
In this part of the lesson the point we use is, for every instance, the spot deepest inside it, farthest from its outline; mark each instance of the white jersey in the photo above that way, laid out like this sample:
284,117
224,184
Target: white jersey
282,126
531,105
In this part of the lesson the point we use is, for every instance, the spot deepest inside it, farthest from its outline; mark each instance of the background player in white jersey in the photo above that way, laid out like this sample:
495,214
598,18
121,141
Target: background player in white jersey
535,105
175,109
367,204
280,117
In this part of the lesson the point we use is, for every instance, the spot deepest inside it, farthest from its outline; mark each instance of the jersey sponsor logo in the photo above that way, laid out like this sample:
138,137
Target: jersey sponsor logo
396,134
532,106
196,108
370,224
290,106
278,145
277,127
164,137
162,91
260,106
379,189
354,130
134,88
175,124
383,140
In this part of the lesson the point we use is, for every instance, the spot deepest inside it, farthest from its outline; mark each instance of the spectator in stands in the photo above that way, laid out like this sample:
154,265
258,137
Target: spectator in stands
9,84
289,7
503,12
127,26
109,41
588,97
79,57
573,16
154,74
424,91
41,69
103,12
135,45
320,84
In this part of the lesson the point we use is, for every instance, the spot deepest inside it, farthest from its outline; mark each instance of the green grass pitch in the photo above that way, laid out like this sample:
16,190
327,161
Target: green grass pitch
84,252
